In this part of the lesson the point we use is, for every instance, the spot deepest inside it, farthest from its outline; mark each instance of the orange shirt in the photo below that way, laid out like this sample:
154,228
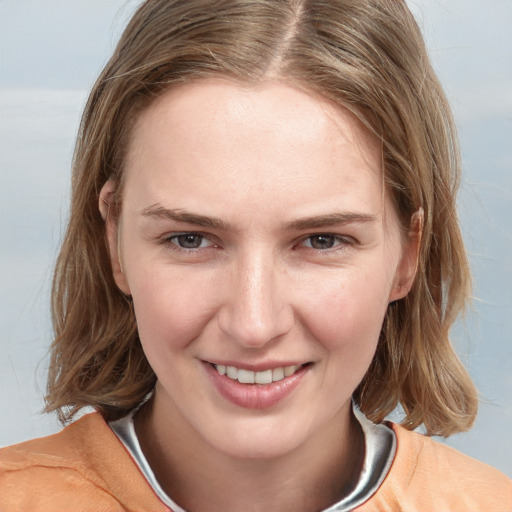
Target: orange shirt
85,468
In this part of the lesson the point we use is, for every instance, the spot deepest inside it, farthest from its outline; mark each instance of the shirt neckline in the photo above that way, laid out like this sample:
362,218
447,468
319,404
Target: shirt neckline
380,449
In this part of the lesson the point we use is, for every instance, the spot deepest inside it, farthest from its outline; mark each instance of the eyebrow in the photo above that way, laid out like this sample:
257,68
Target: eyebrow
157,211
330,220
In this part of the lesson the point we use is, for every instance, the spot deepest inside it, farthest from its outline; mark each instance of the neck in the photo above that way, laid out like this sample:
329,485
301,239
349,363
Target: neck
198,477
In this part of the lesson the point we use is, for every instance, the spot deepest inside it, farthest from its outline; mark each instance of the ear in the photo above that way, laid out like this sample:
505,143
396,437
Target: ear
408,266
109,212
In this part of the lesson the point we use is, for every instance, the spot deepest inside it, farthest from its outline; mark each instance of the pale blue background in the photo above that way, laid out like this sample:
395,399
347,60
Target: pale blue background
51,52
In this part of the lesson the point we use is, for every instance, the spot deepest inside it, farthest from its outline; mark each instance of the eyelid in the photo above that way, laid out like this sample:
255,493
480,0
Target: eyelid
342,242
168,237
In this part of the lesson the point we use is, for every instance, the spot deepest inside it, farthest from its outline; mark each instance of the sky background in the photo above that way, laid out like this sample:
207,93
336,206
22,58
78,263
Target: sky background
50,54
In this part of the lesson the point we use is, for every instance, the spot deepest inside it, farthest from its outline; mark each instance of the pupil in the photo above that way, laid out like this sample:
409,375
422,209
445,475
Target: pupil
322,241
190,241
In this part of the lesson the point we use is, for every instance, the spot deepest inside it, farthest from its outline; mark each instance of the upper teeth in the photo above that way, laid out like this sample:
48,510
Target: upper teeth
250,377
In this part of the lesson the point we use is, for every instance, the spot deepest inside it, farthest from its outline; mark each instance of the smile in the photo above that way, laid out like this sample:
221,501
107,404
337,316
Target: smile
261,377
256,388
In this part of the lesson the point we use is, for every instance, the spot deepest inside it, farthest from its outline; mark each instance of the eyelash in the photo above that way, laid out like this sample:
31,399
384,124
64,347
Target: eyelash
176,247
340,242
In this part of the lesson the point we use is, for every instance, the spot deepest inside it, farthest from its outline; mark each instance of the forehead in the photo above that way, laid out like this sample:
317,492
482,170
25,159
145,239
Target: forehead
216,138
285,108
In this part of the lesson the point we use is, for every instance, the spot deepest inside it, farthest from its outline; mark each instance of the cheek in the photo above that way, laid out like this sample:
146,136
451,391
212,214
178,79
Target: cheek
345,313
171,308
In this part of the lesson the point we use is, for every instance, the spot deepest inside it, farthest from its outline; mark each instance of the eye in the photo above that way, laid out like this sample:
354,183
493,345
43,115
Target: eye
189,240
326,241
321,241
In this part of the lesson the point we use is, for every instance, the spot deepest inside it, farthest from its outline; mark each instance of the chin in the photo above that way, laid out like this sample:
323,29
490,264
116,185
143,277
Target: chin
256,440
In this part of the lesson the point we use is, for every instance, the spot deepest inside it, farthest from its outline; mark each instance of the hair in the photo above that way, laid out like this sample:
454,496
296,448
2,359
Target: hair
369,57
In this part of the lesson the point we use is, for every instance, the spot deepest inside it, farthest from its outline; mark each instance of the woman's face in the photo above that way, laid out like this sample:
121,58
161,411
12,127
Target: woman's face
261,252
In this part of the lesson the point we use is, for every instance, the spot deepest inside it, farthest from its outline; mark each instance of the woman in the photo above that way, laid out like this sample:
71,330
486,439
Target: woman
262,234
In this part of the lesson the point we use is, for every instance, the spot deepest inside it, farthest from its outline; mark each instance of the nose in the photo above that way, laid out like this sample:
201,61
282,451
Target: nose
256,309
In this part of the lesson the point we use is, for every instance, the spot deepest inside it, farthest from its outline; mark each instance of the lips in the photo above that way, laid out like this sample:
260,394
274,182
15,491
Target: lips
258,388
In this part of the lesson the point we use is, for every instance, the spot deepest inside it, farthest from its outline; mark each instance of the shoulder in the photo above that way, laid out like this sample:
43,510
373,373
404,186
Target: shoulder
82,466
427,475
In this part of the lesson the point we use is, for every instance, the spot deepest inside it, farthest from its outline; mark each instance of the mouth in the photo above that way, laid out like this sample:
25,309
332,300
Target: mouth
259,387
244,376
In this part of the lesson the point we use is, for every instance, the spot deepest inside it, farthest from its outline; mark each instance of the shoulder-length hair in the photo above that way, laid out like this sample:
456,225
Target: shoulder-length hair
367,56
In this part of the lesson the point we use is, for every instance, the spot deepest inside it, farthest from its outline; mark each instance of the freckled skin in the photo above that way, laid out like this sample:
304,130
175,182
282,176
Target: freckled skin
258,159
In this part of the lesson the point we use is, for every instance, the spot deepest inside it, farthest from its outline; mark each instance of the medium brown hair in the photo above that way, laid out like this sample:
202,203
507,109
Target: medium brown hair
365,55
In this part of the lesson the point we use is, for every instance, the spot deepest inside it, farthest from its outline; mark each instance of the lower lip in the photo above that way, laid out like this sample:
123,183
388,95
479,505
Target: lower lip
255,396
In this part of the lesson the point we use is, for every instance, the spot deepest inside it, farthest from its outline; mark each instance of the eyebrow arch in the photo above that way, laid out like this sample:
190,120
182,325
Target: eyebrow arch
331,219
157,211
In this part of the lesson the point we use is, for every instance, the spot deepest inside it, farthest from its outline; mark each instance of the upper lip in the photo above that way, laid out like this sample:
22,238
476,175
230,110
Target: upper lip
256,367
